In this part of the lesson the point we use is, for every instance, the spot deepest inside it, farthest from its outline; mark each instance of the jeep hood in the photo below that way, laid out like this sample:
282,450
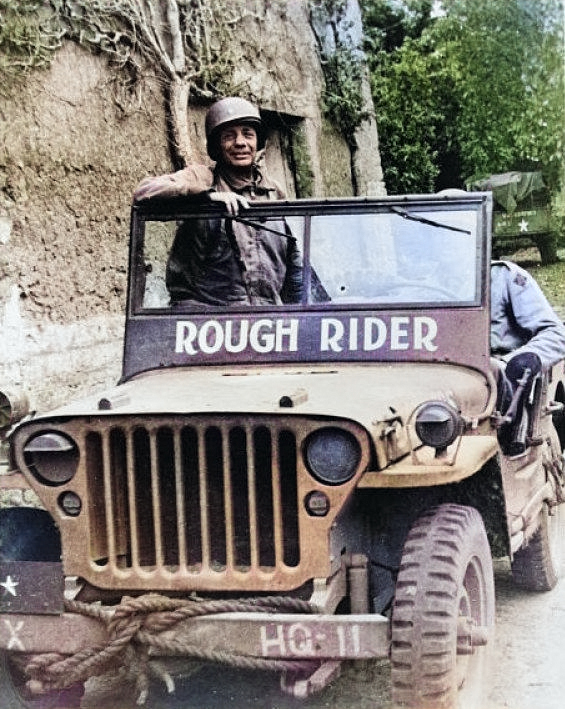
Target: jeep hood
371,394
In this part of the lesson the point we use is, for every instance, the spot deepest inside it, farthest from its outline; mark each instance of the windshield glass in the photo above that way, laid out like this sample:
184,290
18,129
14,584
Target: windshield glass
389,258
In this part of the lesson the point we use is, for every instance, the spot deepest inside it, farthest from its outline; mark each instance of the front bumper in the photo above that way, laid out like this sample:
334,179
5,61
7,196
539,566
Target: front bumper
267,635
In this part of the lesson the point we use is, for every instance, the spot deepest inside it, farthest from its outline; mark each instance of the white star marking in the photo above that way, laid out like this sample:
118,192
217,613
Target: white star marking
10,585
523,226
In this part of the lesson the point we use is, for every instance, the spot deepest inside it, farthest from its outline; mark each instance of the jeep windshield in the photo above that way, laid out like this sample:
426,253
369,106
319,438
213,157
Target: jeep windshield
389,255
373,273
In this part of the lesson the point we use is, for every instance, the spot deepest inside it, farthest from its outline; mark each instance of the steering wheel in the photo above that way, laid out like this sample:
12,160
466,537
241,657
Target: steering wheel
429,287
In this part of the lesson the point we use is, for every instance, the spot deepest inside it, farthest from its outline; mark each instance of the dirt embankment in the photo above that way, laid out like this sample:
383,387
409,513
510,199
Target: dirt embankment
74,145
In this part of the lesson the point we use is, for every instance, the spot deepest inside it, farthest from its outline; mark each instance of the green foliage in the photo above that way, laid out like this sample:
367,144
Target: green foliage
476,91
343,103
30,33
299,158
413,105
509,85
412,91
388,24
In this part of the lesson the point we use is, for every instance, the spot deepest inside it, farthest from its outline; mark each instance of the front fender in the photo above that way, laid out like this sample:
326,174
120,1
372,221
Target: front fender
424,469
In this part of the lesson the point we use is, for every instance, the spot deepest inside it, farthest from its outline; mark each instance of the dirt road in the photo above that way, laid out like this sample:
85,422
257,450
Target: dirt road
529,655
527,669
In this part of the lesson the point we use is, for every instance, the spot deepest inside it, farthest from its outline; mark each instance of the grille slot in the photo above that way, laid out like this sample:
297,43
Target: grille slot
192,498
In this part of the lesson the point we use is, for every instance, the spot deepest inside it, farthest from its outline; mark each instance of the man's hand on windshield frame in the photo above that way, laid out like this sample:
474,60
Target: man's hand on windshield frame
232,201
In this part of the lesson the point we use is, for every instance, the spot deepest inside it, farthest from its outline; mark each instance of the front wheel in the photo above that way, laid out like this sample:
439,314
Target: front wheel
537,565
14,695
443,612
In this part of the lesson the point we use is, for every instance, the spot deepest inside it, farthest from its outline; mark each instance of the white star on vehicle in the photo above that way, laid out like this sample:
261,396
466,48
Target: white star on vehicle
10,585
523,225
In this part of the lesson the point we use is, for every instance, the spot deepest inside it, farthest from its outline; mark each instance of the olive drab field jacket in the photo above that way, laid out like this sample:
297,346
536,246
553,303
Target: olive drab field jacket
221,261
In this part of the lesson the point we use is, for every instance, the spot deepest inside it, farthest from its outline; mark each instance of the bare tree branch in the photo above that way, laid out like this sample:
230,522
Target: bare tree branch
193,46
173,18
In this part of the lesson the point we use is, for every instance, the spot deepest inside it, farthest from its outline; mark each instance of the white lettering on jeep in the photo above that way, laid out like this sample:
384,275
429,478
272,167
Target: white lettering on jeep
14,641
236,336
279,640
401,333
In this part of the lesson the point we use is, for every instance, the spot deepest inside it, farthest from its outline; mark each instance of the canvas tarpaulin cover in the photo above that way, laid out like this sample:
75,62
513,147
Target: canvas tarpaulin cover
510,188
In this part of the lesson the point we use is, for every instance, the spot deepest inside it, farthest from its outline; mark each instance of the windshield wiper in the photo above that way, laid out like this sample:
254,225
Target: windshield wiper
260,225
397,210
416,218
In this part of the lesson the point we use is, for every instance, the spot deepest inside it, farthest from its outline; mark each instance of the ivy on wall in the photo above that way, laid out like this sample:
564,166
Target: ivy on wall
343,103
299,159
189,46
193,50
30,34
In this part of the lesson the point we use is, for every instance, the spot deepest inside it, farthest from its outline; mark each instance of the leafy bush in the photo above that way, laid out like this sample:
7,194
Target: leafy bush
475,91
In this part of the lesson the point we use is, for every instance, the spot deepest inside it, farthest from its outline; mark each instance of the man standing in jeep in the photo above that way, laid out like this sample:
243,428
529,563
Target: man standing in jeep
227,262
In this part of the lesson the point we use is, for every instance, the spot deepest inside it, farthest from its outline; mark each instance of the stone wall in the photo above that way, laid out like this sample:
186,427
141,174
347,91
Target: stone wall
72,150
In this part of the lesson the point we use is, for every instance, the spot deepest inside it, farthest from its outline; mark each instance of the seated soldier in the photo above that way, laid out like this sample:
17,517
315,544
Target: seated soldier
527,338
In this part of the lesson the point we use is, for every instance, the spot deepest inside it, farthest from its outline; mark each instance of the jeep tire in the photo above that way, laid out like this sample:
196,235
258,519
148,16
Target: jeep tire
13,694
547,247
536,565
445,588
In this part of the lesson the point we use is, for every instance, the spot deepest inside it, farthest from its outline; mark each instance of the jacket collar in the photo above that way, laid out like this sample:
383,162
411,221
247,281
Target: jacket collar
257,184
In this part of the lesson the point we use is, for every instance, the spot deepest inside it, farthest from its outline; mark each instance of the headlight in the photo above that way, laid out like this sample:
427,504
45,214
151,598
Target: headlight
14,406
51,457
332,455
438,424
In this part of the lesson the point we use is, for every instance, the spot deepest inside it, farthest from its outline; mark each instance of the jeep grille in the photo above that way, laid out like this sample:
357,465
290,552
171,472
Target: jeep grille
193,503
193,497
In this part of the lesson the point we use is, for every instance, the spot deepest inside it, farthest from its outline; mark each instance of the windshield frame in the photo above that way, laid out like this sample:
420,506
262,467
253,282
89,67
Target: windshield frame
140,323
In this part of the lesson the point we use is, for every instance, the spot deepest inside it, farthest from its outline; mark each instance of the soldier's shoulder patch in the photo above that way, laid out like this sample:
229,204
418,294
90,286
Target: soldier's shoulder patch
520,280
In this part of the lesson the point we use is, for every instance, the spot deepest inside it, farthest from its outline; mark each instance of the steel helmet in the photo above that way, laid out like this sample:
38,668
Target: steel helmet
231,109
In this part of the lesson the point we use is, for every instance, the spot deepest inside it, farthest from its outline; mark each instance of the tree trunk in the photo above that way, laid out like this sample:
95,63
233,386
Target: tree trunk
181,149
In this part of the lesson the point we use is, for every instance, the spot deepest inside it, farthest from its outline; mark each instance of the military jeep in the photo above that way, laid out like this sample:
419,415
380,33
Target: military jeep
522,213
291,486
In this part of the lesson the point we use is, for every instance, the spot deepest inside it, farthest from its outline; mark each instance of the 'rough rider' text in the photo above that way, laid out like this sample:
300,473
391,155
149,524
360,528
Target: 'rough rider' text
368,334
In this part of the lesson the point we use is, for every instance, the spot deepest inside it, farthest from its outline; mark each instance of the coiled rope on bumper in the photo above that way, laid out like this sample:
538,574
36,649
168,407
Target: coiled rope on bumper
135,627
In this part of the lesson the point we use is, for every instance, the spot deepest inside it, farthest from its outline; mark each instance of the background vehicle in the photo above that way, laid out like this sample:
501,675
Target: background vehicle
292,486
522,213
